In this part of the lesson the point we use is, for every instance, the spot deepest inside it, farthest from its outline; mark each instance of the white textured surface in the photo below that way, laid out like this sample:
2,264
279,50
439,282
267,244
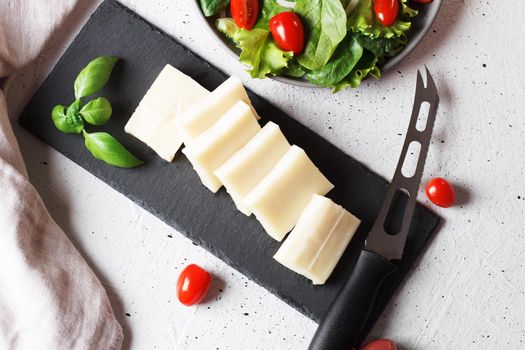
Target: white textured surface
468,290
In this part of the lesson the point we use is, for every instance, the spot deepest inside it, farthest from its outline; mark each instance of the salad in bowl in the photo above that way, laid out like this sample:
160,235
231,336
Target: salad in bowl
326,43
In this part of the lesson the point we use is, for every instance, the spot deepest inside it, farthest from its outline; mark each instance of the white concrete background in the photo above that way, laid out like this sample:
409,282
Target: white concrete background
466,291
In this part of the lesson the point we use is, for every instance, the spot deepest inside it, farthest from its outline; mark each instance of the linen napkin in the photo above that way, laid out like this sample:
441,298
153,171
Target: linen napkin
49,297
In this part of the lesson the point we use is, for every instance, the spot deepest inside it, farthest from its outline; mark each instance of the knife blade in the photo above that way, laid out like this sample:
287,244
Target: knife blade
342,326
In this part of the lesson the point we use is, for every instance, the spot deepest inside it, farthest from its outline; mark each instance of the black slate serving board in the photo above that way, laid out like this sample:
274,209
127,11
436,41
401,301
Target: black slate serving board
173,192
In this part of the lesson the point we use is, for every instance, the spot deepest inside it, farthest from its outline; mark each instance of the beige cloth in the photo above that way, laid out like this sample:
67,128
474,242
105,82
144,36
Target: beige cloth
49,297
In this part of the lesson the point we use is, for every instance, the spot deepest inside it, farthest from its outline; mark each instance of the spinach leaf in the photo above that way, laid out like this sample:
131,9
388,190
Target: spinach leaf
258,50
106,148
367,65
340,65
212,7
97,111
294,69
325,21
68,120
94,76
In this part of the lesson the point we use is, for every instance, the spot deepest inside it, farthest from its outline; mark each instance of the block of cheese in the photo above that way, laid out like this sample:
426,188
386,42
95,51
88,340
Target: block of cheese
153,122
217,144
246,168
279,199
319,239
203,115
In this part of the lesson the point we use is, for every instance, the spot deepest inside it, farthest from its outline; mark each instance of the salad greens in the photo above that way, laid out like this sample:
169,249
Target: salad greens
212,7
258,50
96,112
326,21
344,43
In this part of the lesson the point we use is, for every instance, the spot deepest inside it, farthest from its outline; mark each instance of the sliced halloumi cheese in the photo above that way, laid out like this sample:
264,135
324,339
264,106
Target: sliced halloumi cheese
217,144
279,199
203,115
319,239
246,168
153,122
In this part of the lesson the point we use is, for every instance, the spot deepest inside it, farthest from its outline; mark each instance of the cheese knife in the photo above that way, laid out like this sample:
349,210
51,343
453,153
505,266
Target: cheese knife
342,326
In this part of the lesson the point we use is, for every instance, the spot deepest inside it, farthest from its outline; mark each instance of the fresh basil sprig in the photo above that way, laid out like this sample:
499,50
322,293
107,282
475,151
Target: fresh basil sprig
102,145
66,122
106,148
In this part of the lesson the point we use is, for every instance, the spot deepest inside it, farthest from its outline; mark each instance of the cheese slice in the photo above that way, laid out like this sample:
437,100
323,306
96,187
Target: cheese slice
153,122
246,168
203,115
217,144
318,240
278,200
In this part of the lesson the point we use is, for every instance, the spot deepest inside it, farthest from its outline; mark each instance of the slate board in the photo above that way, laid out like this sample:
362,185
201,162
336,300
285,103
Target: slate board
173,192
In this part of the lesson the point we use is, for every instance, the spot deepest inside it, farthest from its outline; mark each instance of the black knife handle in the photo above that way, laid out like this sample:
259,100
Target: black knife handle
344,321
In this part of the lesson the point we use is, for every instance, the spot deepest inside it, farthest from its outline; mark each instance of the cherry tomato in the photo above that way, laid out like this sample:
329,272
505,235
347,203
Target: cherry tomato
193,284
244,12
288,31
386,11
380,344
422,1
440,192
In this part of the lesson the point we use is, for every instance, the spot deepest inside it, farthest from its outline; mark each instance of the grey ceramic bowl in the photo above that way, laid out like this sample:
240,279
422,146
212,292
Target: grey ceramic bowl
420,26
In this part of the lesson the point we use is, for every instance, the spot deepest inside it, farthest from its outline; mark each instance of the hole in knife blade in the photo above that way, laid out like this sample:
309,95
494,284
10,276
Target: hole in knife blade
411,159
394,217
424,109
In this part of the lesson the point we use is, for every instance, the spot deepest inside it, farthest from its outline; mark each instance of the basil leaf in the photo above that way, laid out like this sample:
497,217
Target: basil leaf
340,65
106,148
97,111
74,108
67,122
94,76
325,20
212,7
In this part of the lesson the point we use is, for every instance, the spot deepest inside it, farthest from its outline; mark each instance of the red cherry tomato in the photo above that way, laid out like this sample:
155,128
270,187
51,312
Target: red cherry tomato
288,31
386,11
193,284
422,1
380,344
244,12
440,192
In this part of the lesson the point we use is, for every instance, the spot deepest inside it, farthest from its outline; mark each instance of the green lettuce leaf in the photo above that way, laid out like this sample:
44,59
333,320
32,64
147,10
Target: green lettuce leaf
258,50
366,66
325,22
363,20
407,10
340,65
382,47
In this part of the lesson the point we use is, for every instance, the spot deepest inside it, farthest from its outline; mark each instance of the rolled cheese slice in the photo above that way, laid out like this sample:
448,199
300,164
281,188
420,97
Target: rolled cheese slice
153,122
246,168
278,200
318,240
217,144
203,115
